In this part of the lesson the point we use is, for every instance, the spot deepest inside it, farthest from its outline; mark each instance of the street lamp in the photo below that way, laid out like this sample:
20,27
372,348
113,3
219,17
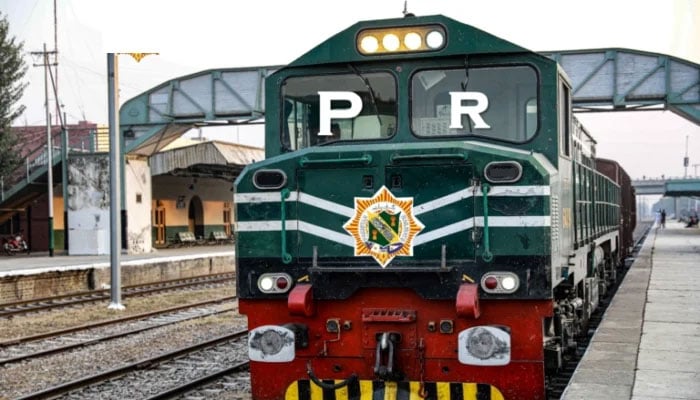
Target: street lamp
114,172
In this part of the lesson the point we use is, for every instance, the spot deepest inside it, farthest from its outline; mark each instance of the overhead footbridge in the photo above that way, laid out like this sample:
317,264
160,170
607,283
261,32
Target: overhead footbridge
631,80
682,187
233,96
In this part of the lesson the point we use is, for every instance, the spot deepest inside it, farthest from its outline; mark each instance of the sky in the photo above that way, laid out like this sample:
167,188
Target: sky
191,36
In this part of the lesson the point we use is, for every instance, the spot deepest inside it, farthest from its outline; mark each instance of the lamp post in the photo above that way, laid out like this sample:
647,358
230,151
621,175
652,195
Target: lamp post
115,160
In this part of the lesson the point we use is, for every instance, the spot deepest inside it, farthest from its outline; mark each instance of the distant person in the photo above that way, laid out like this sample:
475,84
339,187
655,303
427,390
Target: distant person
663,218
692,221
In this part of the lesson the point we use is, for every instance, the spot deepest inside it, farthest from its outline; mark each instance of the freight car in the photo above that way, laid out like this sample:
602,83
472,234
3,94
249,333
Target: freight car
429,221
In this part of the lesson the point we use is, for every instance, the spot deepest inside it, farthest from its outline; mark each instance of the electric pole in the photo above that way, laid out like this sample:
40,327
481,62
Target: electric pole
49,142
686,160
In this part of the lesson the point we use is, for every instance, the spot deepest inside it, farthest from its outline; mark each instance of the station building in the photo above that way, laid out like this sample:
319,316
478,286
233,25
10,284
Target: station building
187,186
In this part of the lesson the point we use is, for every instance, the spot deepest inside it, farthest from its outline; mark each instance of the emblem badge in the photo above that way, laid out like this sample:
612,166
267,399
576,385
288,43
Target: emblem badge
383,226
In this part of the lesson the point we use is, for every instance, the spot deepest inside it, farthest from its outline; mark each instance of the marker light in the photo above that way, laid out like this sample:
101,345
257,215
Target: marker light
500,282
491,282
275,282
401,39
369,44
508,283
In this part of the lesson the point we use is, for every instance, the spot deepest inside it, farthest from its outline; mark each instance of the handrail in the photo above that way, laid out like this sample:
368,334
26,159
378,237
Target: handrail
486,255
364,159
34,161
286,257
395,158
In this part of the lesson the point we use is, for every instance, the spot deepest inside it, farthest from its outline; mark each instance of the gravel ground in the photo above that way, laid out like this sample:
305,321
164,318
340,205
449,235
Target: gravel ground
34,375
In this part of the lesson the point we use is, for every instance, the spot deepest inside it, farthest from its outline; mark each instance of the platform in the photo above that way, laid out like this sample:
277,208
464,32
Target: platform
648,345
37,275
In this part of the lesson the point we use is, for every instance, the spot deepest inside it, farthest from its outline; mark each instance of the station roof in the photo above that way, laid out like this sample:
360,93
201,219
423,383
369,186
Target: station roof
211,159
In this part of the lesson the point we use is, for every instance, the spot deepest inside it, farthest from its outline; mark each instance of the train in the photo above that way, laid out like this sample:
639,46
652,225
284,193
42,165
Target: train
430,221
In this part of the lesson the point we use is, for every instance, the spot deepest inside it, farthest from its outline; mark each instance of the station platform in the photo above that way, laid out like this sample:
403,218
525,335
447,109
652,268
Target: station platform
648,344
37,275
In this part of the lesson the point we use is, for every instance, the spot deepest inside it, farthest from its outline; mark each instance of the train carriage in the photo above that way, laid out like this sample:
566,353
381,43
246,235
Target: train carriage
429,221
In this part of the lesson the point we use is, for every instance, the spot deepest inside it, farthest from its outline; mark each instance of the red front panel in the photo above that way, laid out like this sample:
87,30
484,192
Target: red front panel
424,353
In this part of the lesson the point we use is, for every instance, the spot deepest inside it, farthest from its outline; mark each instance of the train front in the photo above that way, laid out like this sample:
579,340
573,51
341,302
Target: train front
396,241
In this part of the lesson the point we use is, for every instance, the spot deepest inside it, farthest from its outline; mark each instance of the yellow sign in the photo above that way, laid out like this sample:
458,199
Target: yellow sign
566,217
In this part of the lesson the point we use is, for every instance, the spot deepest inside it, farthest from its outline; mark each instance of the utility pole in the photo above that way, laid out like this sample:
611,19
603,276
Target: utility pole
49,143
114,182
55,49
686,160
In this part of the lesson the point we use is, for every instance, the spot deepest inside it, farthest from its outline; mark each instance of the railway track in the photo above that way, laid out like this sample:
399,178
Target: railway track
161,376
42,304
559,382
28,347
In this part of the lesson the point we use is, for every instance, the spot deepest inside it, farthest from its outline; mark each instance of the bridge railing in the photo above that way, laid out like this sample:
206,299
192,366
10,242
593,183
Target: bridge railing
36,161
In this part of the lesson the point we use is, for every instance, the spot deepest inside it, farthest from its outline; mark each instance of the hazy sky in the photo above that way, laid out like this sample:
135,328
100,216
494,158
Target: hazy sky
196,35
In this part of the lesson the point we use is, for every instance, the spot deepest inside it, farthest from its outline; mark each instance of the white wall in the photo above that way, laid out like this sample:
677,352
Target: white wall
88,205
137,191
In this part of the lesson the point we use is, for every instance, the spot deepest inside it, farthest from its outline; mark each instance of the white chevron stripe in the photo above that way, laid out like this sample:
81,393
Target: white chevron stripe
503,191
422,238
342,238
500,191
443,201
326,205
425,237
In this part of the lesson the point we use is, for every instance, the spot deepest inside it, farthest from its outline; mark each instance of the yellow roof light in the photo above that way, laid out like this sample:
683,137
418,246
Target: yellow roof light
369,44
391,42
412,41
403,39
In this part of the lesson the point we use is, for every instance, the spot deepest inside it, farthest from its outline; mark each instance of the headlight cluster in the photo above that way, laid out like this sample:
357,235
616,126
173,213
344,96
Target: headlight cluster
401,39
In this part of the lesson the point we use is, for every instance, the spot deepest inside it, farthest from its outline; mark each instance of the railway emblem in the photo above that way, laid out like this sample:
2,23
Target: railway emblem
383,226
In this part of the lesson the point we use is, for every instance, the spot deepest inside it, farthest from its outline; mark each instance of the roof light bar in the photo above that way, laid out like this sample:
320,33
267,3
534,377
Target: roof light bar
401,39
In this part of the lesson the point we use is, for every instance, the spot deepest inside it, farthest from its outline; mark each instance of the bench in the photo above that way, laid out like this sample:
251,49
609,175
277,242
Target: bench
184,239
219,237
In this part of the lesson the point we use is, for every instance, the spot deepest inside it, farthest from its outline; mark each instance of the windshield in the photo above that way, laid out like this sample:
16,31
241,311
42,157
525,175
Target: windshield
499,103
329,108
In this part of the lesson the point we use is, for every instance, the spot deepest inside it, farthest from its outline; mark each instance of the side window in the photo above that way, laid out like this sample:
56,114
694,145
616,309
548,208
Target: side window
564,119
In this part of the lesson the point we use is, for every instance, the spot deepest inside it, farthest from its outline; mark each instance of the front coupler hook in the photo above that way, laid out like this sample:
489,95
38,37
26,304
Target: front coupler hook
386,343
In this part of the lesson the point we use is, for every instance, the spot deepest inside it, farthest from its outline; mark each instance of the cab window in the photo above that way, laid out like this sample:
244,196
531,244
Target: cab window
373,94
495,102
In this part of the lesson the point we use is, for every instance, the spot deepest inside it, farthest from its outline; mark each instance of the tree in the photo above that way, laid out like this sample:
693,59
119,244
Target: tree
12,70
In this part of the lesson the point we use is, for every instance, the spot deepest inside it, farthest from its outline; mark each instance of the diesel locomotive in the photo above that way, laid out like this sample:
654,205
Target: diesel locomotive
430,221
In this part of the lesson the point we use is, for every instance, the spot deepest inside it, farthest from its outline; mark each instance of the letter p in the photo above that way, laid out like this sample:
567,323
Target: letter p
327,113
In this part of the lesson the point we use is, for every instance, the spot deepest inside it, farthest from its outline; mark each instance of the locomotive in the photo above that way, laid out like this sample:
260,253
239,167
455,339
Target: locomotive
430,221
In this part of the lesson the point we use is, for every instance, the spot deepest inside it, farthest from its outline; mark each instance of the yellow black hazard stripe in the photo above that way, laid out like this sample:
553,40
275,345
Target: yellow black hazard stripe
380,390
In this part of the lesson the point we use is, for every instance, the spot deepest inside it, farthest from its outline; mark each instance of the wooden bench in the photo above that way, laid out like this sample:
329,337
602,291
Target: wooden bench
219,237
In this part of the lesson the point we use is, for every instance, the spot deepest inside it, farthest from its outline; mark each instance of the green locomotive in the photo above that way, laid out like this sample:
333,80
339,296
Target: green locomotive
428,221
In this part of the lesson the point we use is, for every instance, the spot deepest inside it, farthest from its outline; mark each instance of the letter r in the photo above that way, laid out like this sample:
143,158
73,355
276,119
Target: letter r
474,111
327,113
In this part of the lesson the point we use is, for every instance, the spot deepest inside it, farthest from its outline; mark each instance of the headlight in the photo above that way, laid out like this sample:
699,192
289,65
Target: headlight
271,343
484,345
401,39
